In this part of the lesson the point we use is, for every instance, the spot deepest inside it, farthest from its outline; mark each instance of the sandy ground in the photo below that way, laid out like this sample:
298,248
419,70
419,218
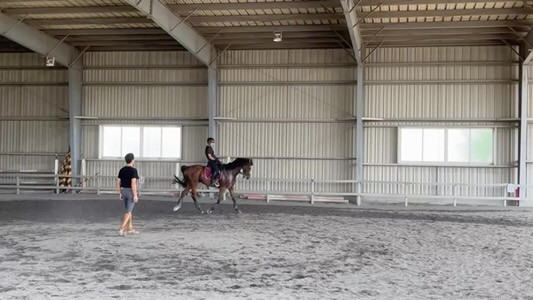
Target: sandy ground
71,250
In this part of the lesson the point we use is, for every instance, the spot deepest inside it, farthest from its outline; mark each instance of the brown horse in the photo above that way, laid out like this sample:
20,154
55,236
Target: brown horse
193,175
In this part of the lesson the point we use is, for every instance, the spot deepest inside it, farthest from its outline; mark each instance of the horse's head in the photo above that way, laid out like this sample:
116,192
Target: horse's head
247,168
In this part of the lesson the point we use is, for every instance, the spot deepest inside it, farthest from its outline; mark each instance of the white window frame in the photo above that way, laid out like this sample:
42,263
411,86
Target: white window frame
139,156
446,162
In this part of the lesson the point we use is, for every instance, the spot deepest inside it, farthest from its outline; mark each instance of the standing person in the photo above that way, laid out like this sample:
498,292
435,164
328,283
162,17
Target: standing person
127,189
213,163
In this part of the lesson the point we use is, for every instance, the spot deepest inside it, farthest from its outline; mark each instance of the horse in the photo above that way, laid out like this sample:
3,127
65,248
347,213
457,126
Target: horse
195,174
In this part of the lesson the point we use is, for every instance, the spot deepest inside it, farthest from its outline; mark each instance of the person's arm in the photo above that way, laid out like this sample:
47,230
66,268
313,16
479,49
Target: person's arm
211,154
119,191
134,186
134,189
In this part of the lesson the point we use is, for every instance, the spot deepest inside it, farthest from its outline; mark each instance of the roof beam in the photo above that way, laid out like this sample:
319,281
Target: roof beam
175,7
157,31
290,28
177,28
269,41
291,17
352,22
70,10
88,21
285,46
106,31
451,12
385,32
431,37
36,40
448,24
424,2
266,18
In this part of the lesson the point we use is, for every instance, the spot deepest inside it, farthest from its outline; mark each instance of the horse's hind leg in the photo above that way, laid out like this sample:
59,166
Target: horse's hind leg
180,200
193,194
220,197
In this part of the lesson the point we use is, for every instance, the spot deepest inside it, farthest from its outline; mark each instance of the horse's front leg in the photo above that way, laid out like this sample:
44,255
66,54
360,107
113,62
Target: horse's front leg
221,192
237,210
180,200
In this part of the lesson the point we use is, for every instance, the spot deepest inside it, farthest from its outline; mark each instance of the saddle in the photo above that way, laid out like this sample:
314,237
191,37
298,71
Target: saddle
208,173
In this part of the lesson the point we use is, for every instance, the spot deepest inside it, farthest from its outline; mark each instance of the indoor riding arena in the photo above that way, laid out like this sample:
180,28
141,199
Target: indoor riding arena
367,149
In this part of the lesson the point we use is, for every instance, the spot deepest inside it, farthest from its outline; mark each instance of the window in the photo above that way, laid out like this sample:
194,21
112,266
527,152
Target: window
454,145
144,141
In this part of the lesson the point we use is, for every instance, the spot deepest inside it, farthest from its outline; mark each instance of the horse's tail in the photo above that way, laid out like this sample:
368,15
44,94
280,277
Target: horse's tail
179,181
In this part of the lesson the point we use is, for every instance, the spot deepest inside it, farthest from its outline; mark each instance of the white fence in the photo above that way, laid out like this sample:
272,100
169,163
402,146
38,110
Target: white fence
282,189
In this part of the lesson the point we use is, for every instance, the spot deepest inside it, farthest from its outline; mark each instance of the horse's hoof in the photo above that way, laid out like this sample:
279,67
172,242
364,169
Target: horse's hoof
210,211
238,211
176,208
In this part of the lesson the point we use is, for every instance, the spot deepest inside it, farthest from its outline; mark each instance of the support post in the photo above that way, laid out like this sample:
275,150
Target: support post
523,142
74,100
359,130
212,87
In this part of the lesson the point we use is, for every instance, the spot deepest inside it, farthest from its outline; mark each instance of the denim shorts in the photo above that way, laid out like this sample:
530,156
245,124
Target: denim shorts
127,198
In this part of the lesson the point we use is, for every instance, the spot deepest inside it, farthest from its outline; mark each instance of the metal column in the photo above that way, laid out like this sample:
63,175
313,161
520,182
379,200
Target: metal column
359,131
522,142
75,76
212,88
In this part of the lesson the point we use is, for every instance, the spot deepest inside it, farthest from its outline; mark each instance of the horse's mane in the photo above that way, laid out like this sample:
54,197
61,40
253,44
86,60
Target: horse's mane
238,163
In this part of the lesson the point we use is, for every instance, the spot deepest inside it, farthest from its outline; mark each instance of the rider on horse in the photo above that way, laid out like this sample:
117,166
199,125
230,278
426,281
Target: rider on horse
213,162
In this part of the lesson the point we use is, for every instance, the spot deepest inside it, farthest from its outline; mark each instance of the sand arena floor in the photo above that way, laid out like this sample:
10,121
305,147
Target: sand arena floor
63,249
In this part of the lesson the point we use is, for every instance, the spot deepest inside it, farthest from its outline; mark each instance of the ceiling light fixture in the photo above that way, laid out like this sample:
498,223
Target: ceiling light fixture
277,37
50,61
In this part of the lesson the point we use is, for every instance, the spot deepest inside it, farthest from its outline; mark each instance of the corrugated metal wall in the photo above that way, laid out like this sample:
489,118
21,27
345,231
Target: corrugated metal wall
287,109
290,110
33,113
146,88
446,87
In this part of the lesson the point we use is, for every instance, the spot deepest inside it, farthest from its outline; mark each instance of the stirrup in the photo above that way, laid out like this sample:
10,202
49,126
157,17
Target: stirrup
216,183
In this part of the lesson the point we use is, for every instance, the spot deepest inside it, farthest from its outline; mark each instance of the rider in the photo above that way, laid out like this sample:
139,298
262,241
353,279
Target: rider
213,162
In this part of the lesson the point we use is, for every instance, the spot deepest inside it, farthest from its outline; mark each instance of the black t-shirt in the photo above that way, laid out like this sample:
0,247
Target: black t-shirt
126,174
209,150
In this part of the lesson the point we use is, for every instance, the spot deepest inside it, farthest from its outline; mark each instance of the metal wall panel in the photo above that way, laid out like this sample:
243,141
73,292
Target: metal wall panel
112,91
287,102
424,73
310,141
145,101
492,95
443,101
140,58
306,140
39,163
277,57
194,141
442,54
280,75
29,90
34,101
401,180
154,76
